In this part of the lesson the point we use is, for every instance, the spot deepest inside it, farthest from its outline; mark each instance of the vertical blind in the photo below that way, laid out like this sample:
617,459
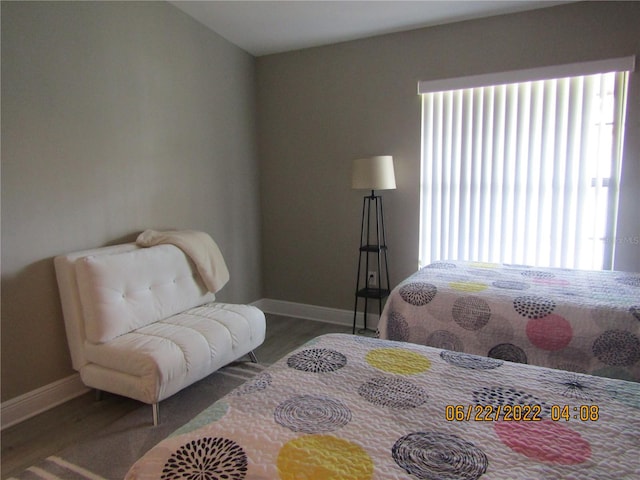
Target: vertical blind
525,172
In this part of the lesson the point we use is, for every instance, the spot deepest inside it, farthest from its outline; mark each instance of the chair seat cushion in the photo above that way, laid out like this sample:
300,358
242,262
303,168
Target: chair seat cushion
179,350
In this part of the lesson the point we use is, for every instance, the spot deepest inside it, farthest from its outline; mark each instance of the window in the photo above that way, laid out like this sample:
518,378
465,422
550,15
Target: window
524,172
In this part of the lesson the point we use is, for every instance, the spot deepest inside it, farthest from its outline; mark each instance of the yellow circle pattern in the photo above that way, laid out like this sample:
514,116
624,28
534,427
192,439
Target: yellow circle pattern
396,360
484,265
323,457
468,286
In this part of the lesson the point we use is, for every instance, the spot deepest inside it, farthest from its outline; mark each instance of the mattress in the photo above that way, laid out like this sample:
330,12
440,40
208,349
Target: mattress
576,320
348,407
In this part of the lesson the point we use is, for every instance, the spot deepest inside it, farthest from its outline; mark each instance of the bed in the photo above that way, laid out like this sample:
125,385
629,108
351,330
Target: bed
348,407
577,320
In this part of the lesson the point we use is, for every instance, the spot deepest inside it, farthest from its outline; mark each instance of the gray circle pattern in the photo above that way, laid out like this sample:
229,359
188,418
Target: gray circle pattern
208,458
537,274
473,362
317,360
442,265
439,456
631,281
501,396
617,348
583,388
508,352
418,293
393,392
256,384
445,340
511,285
533,306
471,313
312,414
398,327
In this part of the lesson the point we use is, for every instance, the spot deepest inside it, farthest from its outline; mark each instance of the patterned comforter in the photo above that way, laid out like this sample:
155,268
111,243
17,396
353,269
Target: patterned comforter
577,320
346,407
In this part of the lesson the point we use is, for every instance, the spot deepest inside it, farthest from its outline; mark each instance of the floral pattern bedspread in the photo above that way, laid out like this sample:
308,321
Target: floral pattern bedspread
577,320
347,407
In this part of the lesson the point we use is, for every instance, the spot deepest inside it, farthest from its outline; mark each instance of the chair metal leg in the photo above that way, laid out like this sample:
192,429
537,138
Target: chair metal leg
253,357
156,413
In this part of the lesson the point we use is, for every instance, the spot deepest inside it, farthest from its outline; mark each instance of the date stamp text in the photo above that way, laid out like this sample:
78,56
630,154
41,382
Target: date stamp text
520,413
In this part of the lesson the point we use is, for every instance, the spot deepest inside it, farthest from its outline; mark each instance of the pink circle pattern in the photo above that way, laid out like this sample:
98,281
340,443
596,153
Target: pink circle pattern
545,441
551,333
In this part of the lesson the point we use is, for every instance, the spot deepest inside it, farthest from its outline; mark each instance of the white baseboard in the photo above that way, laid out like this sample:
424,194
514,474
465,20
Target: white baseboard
32,403
314,312
37,401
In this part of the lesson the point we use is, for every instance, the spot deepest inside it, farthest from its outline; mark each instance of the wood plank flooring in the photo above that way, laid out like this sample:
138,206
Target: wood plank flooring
43,435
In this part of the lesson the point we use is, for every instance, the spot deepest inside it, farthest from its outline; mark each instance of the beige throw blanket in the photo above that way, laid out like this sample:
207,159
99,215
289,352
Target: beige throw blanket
200,247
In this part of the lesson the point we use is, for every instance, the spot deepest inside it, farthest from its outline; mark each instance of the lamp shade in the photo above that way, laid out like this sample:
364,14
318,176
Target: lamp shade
373,173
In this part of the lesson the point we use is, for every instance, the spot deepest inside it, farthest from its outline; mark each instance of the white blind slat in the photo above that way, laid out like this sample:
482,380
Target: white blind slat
517,173
532,197
558,179
466,162
476,175
580,246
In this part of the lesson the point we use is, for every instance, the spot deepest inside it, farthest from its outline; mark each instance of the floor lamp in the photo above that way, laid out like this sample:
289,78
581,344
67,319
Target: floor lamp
372,173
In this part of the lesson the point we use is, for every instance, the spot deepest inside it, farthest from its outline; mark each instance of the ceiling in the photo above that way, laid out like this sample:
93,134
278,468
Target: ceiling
265,27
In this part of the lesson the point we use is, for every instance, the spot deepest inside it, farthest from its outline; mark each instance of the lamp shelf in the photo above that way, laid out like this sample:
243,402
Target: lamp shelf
372,248
379,293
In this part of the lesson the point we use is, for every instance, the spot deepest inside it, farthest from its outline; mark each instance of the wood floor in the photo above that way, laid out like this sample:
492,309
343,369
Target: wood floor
42,436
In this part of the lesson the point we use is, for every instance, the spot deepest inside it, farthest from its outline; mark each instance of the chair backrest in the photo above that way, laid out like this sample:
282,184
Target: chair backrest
110,291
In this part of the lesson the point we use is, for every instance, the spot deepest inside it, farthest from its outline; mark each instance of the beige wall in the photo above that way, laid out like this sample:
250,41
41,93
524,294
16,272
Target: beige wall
322,107
116,117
